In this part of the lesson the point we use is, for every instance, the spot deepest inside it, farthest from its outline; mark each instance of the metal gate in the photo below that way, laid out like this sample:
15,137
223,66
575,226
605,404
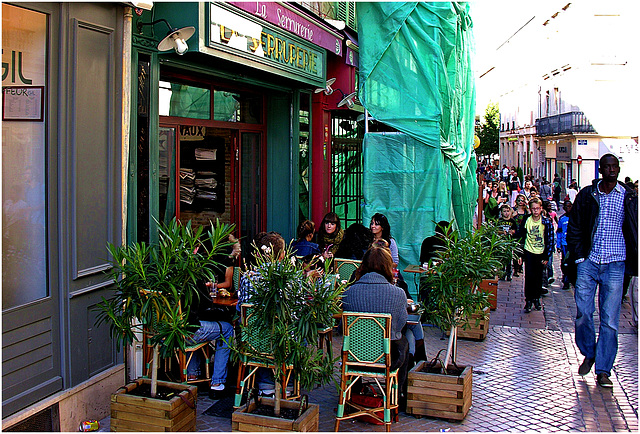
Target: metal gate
346,167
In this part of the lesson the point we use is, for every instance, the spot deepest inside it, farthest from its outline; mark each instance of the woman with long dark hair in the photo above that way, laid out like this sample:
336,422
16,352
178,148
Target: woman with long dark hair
381,229
330,234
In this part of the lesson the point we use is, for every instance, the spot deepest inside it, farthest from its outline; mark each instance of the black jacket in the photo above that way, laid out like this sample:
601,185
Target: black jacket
583,219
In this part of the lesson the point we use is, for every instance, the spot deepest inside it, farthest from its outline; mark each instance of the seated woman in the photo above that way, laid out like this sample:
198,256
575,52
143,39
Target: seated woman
303,245
224,273
330,234
373,292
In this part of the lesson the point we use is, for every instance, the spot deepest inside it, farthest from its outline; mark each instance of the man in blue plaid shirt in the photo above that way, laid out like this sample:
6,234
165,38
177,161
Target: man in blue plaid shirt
602,238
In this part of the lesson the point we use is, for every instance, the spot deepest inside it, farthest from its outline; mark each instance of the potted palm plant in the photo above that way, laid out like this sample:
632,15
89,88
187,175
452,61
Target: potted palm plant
153,289
452,302
293,308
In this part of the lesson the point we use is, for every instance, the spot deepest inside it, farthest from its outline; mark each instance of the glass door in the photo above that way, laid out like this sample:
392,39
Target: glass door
251,198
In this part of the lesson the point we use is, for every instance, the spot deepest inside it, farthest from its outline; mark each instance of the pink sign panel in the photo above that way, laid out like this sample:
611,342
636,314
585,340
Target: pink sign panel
293,22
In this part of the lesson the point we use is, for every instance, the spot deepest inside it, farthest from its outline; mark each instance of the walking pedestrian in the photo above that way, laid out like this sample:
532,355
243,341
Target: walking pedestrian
536,233
603,237
561,242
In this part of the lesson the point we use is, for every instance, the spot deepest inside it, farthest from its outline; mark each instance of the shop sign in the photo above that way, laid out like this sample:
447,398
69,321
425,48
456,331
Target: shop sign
238,33
292,21
564,151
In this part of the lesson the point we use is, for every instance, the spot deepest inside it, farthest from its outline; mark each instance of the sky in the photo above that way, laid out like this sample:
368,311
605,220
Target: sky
608,94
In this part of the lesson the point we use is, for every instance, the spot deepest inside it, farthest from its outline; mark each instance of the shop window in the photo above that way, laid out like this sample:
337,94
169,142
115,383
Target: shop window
24,150
237,107
185,101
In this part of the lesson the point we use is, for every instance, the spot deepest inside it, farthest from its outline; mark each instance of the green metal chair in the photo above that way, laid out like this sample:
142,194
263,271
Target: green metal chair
258,356
236,277
366,353
345,267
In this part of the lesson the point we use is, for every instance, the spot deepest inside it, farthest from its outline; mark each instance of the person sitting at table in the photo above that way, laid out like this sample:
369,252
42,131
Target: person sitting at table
374,292
357,239
303,246
215,325
274,241
330,234
435,243
224,273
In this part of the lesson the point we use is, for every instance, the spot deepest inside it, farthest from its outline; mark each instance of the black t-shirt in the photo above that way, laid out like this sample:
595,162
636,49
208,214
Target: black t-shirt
429,247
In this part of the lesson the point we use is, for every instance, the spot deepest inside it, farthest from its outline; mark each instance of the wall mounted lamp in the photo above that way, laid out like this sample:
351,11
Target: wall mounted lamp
347,100
176,39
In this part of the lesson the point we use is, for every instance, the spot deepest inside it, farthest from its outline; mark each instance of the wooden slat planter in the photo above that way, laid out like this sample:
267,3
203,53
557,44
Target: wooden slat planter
439,395
243,420
137,413
490,286
476,332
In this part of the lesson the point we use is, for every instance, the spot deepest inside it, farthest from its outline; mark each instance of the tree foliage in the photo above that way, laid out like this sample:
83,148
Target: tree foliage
488,131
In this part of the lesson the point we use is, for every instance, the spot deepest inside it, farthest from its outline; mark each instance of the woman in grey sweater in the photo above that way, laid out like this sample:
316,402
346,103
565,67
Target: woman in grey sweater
373,292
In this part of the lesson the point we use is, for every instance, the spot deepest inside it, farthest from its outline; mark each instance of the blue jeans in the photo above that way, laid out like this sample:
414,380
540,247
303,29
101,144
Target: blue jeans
414,333
610,277
213,331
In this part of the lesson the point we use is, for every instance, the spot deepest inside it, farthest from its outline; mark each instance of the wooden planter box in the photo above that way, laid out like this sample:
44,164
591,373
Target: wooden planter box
476,332
243,420
439,395
490,286
137,413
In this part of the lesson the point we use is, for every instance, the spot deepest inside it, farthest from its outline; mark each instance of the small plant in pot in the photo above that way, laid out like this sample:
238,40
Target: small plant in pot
288,308
451,298
153,289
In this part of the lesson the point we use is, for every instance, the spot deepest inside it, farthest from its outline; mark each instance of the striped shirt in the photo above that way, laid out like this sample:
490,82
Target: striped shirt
608,241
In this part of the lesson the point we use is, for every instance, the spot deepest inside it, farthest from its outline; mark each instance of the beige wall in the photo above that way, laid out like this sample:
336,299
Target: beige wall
89,400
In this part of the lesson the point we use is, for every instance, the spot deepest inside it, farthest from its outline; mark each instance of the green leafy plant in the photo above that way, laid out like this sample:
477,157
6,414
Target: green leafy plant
450,287
154,286
293,308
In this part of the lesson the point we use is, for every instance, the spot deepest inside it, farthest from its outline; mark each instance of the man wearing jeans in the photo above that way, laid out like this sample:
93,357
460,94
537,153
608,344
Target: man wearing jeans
602,237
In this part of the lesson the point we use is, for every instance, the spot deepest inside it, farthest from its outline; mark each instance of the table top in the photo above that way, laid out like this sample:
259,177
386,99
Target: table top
225,301
414,269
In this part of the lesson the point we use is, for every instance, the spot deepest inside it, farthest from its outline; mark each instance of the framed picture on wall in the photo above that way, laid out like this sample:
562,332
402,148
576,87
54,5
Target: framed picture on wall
23,103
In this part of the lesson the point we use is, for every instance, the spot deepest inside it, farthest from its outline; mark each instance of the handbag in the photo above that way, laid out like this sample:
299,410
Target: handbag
370,398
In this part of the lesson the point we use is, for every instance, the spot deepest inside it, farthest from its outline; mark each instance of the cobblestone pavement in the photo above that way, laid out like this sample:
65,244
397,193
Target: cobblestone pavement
525,376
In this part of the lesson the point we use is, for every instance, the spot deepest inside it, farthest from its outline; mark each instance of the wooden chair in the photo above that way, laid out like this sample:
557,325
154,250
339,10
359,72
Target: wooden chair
366,348
345,267
184,358
259,344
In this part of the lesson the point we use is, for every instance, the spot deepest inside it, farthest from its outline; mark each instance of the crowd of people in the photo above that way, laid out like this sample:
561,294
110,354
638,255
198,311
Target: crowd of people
596,237
595,234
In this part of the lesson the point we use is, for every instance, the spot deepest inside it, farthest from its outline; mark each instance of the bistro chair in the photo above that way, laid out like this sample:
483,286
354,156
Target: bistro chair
344,268
249,364
236,278
184,358
366,353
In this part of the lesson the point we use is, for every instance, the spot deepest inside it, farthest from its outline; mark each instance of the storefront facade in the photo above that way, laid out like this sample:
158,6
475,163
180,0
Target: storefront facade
230,134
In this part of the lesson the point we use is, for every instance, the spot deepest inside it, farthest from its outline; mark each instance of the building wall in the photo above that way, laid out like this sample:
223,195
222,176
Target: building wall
50,341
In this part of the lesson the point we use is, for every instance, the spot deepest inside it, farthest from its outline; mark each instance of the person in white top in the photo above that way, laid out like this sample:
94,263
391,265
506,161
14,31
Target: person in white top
572,192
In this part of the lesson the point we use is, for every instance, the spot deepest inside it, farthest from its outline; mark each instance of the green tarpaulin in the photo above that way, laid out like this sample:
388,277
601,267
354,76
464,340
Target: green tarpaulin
416,76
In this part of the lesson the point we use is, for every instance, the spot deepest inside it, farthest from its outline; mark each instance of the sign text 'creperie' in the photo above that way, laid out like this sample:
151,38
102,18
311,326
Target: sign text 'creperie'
277,49
243,33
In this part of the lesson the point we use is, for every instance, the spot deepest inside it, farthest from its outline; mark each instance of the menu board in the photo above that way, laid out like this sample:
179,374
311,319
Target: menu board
22,103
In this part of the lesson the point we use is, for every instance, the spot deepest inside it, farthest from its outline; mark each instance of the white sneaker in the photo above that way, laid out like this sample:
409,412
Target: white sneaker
217,387
268,392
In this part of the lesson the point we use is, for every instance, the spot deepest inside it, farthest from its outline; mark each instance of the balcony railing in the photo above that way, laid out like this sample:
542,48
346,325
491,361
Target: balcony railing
572,122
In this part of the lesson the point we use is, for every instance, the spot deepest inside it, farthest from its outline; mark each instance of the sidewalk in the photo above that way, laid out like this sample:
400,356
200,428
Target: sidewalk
525,376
